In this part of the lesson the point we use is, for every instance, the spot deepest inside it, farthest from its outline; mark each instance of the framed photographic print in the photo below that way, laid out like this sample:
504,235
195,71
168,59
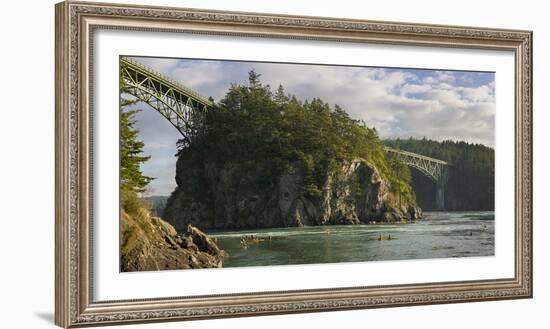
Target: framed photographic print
218,164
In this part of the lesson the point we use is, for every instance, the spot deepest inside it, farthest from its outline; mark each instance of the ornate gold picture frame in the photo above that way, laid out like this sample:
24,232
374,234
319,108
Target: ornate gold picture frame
76,23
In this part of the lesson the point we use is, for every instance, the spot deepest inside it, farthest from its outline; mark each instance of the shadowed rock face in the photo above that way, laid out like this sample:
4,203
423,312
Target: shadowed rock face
151,244
237,196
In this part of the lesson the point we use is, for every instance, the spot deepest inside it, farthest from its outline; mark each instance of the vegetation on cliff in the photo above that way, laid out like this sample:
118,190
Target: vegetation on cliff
254,124
149,243
472,178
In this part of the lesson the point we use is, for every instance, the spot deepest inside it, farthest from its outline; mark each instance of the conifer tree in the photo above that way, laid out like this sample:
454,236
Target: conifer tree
131,151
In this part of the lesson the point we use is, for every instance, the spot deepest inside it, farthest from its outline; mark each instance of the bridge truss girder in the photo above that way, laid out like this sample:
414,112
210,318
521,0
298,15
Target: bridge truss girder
182,107
434,169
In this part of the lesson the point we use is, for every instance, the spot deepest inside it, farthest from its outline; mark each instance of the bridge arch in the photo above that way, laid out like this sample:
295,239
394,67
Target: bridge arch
181,106
436,170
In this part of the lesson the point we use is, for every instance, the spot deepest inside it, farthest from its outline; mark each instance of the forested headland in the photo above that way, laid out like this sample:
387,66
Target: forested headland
263,158
253,123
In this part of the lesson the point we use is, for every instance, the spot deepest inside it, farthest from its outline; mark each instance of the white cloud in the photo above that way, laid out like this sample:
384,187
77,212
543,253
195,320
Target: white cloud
412,89
445,76
429,80
397,103
480,94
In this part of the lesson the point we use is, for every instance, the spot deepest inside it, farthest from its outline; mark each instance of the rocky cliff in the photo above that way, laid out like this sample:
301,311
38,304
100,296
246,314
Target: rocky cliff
151,244
240,196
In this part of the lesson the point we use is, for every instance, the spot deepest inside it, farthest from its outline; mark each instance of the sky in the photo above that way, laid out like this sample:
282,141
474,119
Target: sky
398,102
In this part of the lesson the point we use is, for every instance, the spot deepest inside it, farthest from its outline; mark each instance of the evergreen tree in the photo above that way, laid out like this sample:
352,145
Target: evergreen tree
131,150
254,80
280,98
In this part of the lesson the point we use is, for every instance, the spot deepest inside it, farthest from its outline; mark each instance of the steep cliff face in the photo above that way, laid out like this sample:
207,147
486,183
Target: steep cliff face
240,196
151,244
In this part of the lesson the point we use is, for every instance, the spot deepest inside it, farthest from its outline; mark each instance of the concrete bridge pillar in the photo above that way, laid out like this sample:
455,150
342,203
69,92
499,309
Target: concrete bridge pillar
440,197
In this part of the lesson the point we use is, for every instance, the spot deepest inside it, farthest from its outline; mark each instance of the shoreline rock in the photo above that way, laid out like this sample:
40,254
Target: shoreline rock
152,244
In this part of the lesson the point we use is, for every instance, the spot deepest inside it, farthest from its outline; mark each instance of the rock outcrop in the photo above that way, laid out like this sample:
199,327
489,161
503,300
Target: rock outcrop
151,244
240,196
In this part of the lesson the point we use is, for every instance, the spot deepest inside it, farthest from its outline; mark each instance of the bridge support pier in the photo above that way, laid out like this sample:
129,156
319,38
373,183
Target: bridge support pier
440,197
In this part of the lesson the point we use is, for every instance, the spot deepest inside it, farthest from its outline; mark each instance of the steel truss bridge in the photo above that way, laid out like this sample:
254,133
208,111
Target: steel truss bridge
436,170
184,109
181,106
